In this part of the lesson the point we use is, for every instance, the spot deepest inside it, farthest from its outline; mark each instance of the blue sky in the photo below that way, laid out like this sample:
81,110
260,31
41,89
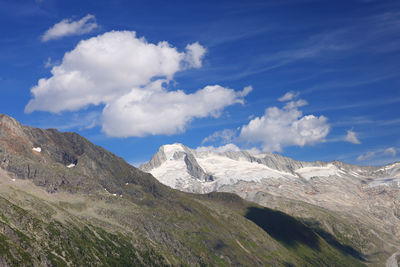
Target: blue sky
134,75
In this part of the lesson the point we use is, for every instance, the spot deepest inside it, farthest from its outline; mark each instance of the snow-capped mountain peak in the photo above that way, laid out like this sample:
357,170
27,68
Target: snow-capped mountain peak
183,168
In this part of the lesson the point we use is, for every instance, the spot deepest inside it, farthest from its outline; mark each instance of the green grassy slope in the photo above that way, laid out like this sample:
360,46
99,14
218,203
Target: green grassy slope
109,231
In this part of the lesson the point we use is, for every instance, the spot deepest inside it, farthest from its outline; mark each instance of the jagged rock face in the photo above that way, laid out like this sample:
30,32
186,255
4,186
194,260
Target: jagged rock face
181,153
194,169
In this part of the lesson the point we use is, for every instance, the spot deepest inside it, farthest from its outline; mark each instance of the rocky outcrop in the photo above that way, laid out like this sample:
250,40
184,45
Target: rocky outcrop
194,169
155,161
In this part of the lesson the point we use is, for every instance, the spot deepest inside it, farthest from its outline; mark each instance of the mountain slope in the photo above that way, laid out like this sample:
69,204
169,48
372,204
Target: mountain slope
360,202
67,202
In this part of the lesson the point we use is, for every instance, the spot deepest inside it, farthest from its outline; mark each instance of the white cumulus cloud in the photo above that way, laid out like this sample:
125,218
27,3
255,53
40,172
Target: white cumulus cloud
68,27
103,68
351,137
153,111
127,74
194,55
281,127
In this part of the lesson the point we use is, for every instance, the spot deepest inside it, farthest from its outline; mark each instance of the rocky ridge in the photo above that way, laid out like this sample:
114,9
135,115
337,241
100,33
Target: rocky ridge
174,164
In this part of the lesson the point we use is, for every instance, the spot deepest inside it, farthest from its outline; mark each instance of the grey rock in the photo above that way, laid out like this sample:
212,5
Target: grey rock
194,169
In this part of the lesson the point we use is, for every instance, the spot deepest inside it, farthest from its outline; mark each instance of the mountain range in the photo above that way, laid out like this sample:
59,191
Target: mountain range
358,205
67,202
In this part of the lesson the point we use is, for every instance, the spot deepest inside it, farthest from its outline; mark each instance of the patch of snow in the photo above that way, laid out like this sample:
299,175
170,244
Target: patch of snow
109,192
323,171
354,173
169,150
37,149
230,171
391,166
394,170
171,172
385,182
391,169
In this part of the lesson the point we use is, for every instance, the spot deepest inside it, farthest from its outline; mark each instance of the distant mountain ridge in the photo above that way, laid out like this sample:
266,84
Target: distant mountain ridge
176,165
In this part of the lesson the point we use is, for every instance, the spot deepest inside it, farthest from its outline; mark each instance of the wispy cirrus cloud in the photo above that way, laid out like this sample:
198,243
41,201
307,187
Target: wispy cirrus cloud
370,34
68,27
289,96
366,156
224,136
378,153
374,103
351,137
49,63
365,120
390,151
